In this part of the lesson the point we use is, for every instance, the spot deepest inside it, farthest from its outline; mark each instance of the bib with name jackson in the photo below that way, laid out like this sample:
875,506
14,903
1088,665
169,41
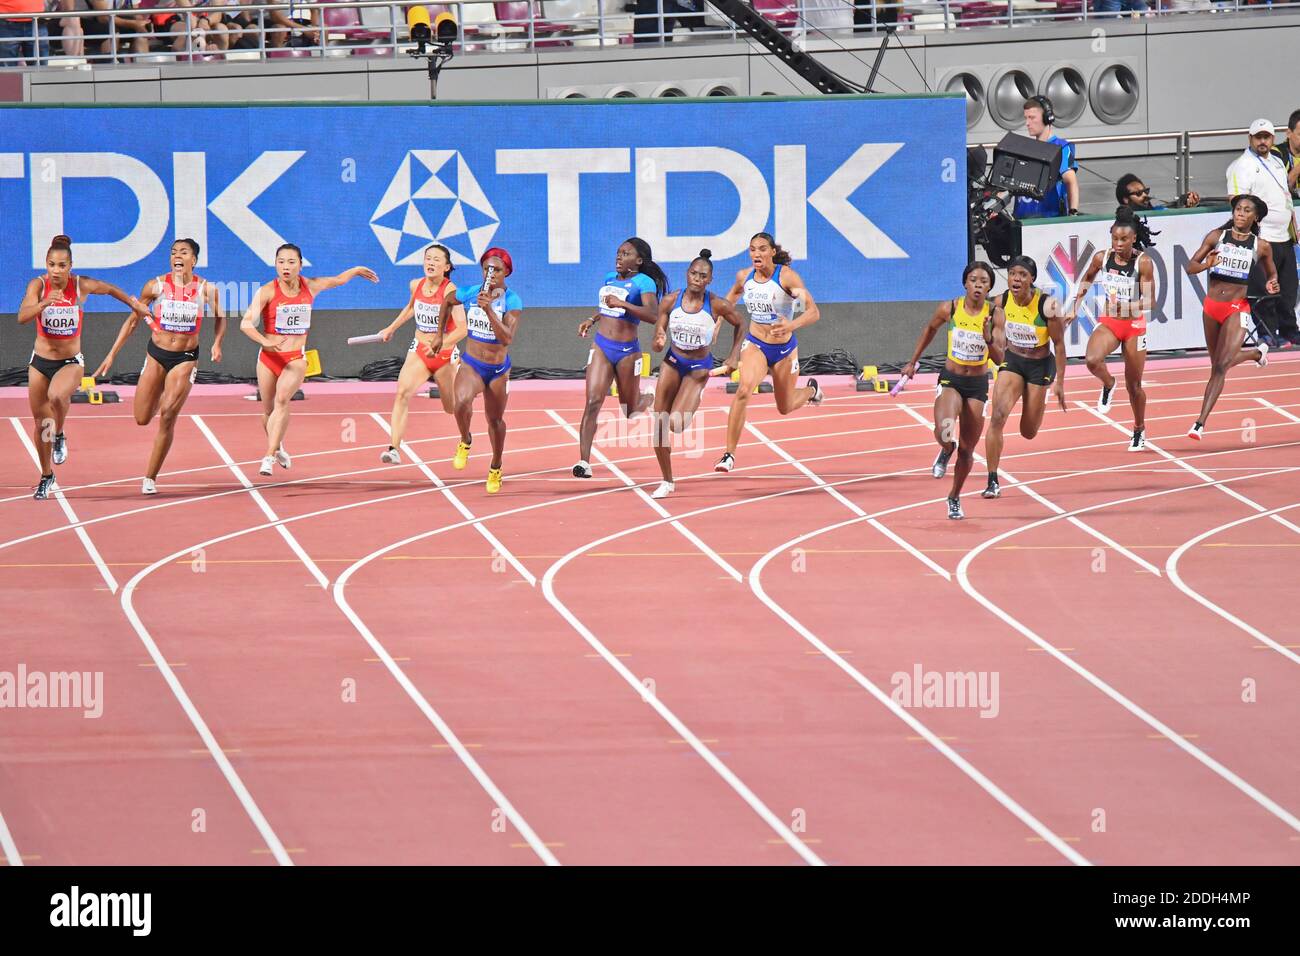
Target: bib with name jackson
179,310
690,330
966,344
1026,327
61,319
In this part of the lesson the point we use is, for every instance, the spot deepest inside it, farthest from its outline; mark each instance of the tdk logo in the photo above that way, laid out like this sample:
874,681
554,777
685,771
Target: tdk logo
434,198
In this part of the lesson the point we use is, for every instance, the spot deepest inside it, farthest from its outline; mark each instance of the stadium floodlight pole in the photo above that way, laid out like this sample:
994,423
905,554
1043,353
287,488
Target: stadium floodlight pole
432,41
753,23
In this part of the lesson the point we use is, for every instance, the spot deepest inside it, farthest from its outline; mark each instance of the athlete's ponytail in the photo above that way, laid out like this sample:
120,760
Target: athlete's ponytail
1126,218
648,265
779,257
706,255
60,243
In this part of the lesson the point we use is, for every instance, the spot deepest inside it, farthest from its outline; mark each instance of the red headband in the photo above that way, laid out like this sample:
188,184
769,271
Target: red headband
500,254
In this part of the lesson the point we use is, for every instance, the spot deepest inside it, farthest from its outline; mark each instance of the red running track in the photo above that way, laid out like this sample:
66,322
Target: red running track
354,662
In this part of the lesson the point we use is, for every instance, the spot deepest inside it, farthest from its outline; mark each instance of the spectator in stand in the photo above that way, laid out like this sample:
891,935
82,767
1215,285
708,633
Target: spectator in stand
1260,172
676,13
1117,7
16,35
1131,191
865,16
292,28
70,27
130,28
1289,153
1064,199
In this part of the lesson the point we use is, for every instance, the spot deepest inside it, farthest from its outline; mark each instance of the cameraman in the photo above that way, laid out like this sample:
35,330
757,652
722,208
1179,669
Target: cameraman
1064,198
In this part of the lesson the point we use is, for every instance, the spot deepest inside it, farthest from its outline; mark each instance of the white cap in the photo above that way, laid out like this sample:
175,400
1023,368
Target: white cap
1261,126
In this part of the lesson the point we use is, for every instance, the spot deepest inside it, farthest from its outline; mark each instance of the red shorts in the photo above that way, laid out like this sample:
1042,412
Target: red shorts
276,361
433,362
1124,329
1219,311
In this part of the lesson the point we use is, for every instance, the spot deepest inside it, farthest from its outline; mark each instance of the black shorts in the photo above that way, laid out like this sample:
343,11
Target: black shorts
967,386
1035,371
169,359
50,367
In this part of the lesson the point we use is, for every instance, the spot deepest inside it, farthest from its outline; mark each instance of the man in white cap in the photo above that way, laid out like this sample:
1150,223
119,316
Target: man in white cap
1258,171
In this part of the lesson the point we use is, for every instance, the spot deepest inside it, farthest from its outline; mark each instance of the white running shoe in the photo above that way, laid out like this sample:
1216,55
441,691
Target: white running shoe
1139,440
582,470
663,491
1103,400
954,509
391,457
60,448
268,466
817,395
1195,431
282,457
148,488
726,462
1262,361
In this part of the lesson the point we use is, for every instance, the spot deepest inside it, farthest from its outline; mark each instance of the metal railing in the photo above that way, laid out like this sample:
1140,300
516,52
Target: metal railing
261,31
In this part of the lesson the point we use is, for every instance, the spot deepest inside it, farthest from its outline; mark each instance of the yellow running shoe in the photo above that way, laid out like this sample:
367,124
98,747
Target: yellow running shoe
494,481
462,456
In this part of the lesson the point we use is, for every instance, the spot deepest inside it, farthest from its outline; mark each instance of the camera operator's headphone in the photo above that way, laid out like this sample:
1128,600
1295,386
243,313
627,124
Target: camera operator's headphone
1049,116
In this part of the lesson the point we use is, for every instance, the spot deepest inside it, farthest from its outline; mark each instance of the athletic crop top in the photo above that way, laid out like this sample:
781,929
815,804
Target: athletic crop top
966,344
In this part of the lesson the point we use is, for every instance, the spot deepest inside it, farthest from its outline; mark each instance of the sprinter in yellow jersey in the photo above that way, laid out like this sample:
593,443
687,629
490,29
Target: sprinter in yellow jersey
964,382
1029,367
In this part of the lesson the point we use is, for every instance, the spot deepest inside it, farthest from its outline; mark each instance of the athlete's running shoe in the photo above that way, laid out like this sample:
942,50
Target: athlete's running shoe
994,490
1139,440
817,395
1195,431
940,466
493,481
582,470
45,488
60,448
1262,361
1103,400
726,462
148,487
268,466
665,489
461,458
954,509
391,457
282,457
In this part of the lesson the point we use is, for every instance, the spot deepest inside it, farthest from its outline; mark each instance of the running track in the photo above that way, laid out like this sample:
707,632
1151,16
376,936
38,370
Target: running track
360,663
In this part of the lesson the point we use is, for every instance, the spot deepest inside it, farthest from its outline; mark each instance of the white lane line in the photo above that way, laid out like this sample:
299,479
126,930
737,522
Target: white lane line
266,509
1255,505
12,856
834,493
962,764
1133,708
1057,509
658,508
447,493
1171,569
1280,409
73,521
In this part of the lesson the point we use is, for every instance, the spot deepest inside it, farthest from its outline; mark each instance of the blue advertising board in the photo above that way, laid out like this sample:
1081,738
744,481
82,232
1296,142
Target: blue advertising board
867,194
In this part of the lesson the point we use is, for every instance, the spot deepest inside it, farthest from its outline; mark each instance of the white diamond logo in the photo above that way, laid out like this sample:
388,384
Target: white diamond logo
434,189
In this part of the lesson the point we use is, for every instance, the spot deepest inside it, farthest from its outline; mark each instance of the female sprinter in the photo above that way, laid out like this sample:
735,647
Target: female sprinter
629,296
433,353
1229,253
691,319
1129,282
282,308
1028,368
964,382
770,290
491,319
179,300
54,302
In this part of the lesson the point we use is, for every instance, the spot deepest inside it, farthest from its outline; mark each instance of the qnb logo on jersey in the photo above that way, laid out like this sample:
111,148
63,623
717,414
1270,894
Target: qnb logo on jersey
434,198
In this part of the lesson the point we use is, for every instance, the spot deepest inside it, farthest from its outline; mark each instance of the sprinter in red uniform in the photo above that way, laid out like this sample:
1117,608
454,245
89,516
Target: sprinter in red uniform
54,302
433,352
178,301
282,309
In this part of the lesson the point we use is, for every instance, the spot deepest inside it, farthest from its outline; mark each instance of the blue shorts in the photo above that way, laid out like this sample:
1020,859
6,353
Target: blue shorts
485,371
685,366
617,351
773,353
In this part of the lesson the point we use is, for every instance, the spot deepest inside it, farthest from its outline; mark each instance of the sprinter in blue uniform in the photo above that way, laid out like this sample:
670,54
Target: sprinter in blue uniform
628,296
